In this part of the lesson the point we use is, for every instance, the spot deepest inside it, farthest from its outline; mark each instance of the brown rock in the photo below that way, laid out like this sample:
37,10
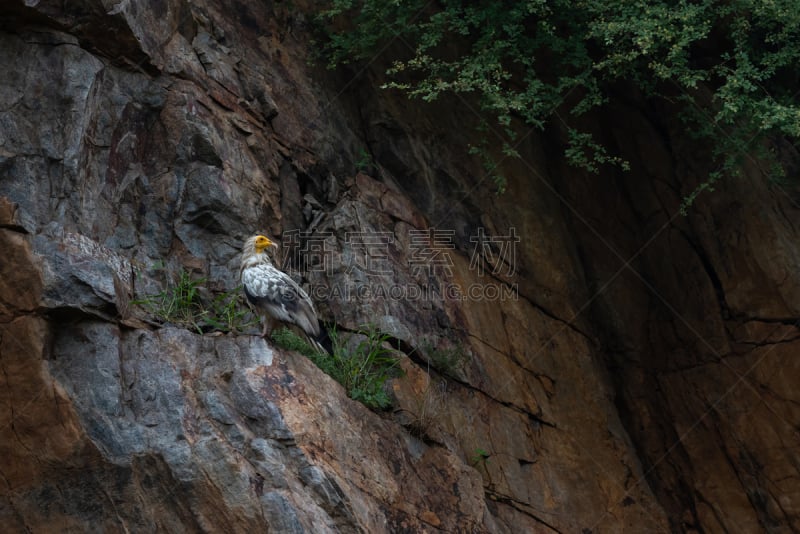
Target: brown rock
20,281
389,201
7,212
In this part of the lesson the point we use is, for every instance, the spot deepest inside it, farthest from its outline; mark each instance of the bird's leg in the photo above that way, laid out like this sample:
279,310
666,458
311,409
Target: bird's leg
269,324
264,330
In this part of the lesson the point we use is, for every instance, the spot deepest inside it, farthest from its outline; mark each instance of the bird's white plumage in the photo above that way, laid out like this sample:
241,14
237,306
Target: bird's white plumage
272,291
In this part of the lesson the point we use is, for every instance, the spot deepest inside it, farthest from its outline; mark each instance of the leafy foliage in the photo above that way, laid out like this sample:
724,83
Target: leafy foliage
732,65
182,303
362,368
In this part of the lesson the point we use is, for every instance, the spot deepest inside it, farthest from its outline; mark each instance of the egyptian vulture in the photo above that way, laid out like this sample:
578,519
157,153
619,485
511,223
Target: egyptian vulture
273,293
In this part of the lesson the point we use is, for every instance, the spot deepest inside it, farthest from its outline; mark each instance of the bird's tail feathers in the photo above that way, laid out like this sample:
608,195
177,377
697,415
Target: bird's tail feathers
323,341
317,345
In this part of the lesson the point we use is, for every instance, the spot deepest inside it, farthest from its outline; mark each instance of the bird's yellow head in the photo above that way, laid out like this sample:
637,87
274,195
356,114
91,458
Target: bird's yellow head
260,243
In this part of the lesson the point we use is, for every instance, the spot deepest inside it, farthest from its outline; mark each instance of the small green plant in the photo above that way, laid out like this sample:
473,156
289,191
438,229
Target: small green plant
362,369
480,457
364,161
228,312
179,303
480,461
183,304
365,369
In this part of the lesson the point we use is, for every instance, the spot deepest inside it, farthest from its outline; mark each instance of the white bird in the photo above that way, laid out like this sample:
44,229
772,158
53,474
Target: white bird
273,293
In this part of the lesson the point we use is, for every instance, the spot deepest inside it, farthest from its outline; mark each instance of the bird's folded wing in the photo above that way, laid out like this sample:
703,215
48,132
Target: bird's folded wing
276,292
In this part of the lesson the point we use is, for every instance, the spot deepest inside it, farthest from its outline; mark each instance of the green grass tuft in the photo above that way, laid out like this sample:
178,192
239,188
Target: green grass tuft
287,339
182,303
362,368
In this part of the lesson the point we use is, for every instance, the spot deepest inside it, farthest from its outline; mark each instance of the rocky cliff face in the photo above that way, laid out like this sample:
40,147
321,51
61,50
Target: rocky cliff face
618,367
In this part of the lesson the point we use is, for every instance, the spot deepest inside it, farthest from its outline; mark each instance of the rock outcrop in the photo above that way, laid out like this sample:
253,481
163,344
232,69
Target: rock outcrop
577,356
